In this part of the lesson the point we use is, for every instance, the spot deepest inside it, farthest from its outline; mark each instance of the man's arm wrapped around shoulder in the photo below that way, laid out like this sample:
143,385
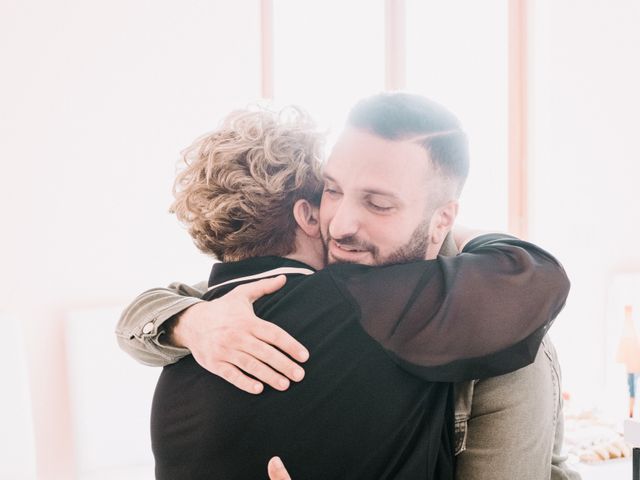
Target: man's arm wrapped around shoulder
142,328
479,314
225,337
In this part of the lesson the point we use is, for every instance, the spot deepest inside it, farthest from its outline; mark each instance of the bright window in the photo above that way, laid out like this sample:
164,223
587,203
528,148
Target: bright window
327,55
457,55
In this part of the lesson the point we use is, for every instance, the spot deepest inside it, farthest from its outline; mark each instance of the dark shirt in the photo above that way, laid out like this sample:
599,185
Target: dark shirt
385,342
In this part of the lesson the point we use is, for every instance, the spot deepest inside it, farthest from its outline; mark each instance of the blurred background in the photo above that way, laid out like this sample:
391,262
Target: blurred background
98,98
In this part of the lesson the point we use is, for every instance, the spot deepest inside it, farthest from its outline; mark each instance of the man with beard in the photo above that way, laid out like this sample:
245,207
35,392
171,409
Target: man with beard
391,188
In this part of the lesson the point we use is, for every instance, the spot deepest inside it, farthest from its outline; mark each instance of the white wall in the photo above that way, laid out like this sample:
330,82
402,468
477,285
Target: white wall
585,168
97,99
101,97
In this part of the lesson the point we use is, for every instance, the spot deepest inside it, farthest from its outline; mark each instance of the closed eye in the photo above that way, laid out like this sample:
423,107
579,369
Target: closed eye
379,208
331,191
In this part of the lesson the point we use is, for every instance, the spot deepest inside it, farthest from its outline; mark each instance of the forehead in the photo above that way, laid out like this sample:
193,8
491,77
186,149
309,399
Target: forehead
363,161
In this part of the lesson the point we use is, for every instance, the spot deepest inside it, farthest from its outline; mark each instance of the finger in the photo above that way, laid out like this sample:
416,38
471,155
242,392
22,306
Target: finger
276,470
254,290
255,367
234,376
279,338
273,358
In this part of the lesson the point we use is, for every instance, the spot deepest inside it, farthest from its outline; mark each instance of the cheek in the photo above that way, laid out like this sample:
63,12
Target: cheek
326,213
389,233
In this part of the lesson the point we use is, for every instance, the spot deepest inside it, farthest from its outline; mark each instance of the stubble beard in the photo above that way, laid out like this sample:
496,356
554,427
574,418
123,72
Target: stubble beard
412,251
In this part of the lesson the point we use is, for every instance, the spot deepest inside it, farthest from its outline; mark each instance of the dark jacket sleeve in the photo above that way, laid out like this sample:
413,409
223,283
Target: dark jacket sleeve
479,314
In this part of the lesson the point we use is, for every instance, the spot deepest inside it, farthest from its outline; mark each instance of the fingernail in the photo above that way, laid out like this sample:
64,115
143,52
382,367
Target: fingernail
298,374
277,462
303,355
284,383
257,387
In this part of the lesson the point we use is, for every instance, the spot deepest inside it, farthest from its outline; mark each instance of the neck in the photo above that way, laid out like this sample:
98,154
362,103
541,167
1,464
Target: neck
308,250
448,247
308,259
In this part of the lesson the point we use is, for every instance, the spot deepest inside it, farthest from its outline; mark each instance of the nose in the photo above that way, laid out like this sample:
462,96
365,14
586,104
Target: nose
345,221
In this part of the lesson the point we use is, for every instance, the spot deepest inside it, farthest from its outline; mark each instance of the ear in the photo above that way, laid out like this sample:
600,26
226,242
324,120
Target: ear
306,216
442,222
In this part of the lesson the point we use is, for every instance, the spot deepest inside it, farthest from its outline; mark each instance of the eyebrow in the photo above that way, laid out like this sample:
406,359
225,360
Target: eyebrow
370,191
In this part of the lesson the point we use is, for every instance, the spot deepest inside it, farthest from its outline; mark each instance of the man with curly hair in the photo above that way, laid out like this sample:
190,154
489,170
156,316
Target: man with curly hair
384,340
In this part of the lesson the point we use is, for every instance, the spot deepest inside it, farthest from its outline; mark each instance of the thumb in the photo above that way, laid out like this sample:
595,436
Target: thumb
254,290
276,470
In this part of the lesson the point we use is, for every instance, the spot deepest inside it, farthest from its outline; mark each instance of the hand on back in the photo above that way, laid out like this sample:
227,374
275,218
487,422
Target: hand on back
226,338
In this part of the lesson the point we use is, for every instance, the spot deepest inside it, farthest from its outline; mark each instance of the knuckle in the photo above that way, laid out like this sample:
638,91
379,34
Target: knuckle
216,352
280,335
252,365
224,371
242,361
233,376
226,336
259,349
227,372
217,348
230,337
258,325
218,369
269,332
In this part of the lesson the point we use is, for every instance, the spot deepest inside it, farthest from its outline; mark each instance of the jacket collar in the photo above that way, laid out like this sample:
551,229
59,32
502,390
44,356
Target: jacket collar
226,273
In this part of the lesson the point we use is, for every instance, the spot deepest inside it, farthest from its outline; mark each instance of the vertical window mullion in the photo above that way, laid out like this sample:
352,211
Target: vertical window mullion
395,51
517,116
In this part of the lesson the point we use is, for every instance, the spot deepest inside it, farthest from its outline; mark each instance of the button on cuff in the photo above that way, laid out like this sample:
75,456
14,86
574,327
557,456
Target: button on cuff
148,328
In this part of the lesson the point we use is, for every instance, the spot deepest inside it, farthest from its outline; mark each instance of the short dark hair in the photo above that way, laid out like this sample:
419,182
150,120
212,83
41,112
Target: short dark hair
402,116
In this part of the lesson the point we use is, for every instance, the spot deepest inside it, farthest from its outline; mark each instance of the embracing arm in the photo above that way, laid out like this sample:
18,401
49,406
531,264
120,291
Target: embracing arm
142,328
478,314
223,335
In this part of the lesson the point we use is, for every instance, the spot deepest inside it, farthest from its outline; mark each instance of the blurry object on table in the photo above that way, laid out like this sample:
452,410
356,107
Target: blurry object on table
628,353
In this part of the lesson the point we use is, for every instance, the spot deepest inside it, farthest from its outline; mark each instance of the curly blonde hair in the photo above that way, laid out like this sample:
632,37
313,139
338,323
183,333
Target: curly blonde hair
237,189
